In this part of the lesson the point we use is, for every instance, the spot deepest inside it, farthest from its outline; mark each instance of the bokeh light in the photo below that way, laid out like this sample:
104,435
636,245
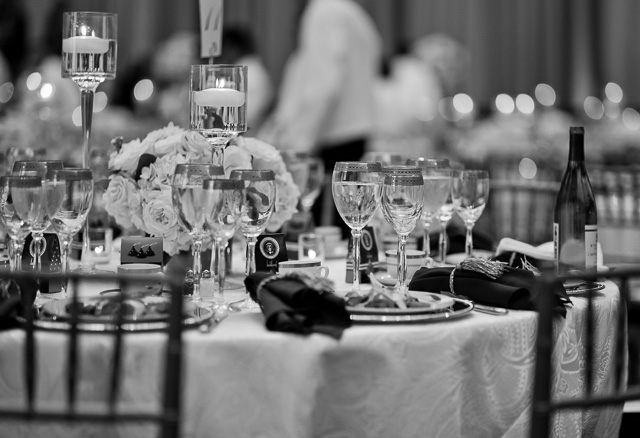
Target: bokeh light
527,168
505,103
33,81
447,111
76,116
100,101
613,92
525,104
631,119
593,107
47,91
463,103
545,94
6,92
143,90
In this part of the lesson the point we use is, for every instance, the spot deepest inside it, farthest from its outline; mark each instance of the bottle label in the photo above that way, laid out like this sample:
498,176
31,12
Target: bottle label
590,247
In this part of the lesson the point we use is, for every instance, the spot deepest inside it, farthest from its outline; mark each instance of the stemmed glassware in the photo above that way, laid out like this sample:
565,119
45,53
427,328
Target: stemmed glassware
74,187
224,201
437,186
402,202
38,168
260,194
89,46
188,196
356,187
308,174
444,215
218,104
17,229
470,193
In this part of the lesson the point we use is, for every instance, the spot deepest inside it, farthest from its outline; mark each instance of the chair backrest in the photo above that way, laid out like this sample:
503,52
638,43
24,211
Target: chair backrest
70,410
522,210
544,405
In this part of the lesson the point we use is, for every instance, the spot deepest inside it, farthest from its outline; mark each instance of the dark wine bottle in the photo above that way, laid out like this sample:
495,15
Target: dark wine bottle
575,228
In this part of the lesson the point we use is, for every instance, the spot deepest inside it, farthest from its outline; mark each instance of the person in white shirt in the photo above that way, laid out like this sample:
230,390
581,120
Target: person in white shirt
326,106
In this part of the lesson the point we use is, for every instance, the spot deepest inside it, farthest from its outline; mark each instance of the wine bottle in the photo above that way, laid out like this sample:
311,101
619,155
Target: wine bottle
575,228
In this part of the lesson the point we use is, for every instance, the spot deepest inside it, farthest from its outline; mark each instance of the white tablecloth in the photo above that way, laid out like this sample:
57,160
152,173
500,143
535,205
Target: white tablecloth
460,378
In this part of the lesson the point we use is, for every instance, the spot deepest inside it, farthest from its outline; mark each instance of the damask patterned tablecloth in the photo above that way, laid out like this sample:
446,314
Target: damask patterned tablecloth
468,377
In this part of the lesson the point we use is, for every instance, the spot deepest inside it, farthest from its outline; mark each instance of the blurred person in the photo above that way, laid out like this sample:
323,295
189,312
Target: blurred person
325,105
238,48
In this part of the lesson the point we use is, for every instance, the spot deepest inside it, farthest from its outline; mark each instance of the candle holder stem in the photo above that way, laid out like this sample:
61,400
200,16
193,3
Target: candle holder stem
86,108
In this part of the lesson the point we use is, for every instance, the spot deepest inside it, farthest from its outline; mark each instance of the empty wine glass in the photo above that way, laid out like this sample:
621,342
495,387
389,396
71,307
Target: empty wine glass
74,187
444,215
16,228
308,175
188,196
218,104
37,168
402,202
356,187
470,193
437,186
260,198
224,201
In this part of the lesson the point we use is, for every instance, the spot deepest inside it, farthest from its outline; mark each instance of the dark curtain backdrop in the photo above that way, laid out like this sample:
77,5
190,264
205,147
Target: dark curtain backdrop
577,46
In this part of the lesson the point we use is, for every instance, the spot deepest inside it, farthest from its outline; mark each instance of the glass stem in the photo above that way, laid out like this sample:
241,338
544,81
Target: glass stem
251,255
86,109
442,242
65,247
468,242
402,262
356,234
221,247
197,267
217,151
426,243
38,240
15,250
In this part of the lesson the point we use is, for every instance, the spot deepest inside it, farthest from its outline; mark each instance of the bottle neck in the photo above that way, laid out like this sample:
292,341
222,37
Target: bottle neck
576,148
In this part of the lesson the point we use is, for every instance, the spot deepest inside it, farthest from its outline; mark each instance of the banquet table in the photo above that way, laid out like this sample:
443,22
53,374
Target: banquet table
469,376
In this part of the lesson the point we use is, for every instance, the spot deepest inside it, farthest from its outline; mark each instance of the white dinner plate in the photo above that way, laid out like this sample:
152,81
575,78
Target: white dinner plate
432,303
458,309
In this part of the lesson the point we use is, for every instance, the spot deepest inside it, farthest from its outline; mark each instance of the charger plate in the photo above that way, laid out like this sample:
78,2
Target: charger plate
431,302
147,314
583,288
459,309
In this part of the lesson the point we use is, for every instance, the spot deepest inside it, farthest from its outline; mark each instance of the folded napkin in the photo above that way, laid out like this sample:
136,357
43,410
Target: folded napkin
298,304
513,288
15,295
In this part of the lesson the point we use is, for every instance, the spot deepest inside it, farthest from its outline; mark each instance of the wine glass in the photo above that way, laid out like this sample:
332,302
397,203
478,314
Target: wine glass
470,193
260,198
356,188
223,203
188,196
308,175
34,201
89,46
437,186
37,168
444,215
402,202
17,229
75,189
218,104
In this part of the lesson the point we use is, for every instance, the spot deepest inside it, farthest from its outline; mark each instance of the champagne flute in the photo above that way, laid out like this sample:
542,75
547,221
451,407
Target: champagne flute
34,201
218,104
37,168
470,193
437,186
17,229
260,198
188,197
402,203
75,188
356,188
444,215
224,201
89,47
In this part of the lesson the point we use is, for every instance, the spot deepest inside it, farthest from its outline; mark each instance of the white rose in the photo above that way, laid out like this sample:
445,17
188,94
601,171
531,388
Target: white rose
196,143
127,158
158,214
287,194
236,158
122,200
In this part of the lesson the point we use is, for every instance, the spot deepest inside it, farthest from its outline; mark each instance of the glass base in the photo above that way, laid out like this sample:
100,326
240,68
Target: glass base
247,303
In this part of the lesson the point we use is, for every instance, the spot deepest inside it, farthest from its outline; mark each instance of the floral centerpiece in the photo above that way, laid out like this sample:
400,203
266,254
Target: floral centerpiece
138,196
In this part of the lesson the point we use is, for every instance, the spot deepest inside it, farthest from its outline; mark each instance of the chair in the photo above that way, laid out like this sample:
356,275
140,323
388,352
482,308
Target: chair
73,411
543,406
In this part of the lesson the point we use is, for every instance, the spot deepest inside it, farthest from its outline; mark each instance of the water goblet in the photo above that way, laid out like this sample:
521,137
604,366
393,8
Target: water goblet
224,202
17,229
470,193
75,189
260,198
308,174
218,104
437,186
188,197
38,168
356,187
402,203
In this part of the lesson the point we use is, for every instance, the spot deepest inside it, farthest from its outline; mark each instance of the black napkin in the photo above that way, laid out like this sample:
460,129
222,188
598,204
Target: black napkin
515,289
290,305
15,296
